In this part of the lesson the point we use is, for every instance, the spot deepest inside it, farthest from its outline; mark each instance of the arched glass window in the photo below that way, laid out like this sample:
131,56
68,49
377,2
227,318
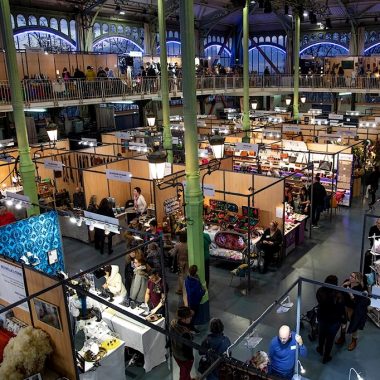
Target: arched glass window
13,21
73,30
267,39
257,62
261,39
274,39
281,40
63,26
176,35
212,52
113,28
208,39
120,29
43,40
96,30
324,49
173,48
105,28
32,20
43,21
54,23
170,34
20,20
255,39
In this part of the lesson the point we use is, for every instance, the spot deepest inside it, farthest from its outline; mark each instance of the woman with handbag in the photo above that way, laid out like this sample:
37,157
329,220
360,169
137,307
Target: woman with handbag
356,309
216,342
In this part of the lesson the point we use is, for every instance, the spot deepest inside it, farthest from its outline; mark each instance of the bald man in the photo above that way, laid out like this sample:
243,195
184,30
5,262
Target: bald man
282,352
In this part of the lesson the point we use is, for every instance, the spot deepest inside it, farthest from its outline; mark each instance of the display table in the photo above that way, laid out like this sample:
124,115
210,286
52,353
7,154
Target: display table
136,335
294,233
111,366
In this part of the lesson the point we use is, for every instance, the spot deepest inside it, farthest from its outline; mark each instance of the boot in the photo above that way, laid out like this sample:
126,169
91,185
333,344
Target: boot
342,338
353,344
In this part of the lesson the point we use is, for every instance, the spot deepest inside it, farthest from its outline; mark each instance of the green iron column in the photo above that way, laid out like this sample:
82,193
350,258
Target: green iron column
167,135
193,193
27,168
246,121
296,75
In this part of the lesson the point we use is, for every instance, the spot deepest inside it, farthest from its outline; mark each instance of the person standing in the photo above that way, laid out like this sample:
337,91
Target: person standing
114,283
139,281
93,204
282,352
356,309
331,314
179,252
6,217
217,342
100,235
193,293
155,293
78,199
318,201
182,353
373,182
139,201
206,250
90,74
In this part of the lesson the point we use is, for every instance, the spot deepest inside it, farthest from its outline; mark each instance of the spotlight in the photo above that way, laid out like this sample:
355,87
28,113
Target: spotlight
79,222
305,13
19,206
73,219
9,202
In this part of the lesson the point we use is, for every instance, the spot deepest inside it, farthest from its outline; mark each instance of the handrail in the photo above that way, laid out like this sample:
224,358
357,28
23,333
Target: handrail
53,92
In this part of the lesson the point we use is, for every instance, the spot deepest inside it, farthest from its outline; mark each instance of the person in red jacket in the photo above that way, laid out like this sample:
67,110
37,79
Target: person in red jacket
6,217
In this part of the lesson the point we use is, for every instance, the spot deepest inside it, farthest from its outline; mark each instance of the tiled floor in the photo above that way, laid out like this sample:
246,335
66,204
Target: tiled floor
334,249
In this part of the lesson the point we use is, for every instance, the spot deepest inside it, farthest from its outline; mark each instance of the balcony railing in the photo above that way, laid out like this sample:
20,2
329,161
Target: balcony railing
57,91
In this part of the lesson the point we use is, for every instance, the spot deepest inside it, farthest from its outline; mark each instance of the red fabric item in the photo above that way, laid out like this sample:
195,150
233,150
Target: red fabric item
184,368
7,218
5,336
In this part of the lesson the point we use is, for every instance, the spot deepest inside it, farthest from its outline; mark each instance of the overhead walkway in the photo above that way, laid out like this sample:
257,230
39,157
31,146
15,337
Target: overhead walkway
63,93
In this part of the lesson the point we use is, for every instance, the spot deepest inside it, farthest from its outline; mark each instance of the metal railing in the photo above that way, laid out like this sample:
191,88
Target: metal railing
55,91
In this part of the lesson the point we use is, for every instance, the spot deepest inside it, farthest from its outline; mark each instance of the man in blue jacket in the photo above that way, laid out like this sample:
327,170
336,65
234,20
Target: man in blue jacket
282,352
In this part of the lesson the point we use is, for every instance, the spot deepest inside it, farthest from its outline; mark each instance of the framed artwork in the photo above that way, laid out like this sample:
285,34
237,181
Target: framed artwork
52,257
47,313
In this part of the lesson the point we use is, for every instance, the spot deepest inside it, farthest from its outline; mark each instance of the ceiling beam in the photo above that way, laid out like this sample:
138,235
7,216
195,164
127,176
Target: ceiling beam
90,5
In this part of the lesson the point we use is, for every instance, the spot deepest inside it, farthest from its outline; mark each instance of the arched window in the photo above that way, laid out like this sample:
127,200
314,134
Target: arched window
54,23
63,26
96,30
32,20
267,39
13,21
261,39
20,20
257,62
120,29
274,39
105,28
176,35
170,34
73,31
281,40
113,28
43,21
255,39
212,52
324,49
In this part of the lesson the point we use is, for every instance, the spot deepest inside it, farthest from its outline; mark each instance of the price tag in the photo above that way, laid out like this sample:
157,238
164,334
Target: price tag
53,165
118,175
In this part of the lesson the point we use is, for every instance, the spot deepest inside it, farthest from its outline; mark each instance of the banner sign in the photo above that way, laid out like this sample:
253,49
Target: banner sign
53,165
209,190
247,146
118,175
171,205
291,128
12,288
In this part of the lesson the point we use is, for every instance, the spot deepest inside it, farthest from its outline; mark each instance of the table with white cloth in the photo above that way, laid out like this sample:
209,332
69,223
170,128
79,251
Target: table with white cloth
111,366
138,336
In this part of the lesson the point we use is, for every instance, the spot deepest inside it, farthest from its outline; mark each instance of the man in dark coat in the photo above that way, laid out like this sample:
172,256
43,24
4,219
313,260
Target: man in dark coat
318,201
373,181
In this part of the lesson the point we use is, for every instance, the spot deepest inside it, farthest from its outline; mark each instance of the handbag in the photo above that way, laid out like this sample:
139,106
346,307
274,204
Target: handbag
204,363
